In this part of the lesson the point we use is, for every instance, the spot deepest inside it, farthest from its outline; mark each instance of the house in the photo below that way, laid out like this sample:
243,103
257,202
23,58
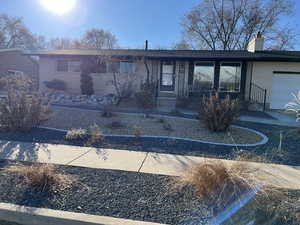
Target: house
13,61
265,77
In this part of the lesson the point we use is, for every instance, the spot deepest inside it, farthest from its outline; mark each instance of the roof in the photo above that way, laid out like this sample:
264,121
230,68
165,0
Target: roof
179,54
10,50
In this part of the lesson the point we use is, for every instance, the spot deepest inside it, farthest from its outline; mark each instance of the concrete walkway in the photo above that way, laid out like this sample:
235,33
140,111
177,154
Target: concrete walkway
282,119
146,162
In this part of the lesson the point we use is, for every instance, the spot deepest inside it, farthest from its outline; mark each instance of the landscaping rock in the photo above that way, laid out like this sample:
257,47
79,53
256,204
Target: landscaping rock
60,97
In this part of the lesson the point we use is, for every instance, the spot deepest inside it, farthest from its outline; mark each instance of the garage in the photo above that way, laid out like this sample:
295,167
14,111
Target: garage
283,86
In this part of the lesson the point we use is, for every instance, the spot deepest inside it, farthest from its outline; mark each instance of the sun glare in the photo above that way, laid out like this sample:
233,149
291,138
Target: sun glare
59,6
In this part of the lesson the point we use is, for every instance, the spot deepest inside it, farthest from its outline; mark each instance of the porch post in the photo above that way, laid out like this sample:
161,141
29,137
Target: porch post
217,75
243,80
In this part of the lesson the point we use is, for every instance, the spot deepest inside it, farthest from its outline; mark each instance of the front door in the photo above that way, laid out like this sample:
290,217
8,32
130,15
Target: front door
167,76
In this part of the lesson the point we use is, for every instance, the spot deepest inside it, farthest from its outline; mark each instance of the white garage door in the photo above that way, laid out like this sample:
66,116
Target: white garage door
283,85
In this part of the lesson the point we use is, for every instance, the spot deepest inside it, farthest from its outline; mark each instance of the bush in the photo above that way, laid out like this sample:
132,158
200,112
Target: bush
22,111
183,102
76,134
56,84
107,112
146,97
86,84
219,113
43,177
167,126
114,125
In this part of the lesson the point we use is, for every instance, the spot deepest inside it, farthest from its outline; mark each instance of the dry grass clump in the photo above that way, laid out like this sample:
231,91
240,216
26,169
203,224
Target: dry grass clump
137,132
218,183
76,134
96,136
43,177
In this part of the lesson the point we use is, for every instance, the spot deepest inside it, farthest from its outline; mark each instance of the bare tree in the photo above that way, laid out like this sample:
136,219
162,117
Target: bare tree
14,34
99,39
230,24
182,45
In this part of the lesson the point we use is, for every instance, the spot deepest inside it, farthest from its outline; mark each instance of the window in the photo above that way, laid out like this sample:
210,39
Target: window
102,67
74,66
62,66
230,77
203,76
127,67
168,71
15,72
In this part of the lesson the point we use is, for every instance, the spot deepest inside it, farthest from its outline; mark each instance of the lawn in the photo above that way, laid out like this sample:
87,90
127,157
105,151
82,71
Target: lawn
154,126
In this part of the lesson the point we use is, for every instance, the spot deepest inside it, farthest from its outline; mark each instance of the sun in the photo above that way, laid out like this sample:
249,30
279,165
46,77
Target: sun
59,6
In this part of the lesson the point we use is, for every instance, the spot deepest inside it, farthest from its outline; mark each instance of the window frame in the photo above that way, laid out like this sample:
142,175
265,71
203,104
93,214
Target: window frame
240,82
214,67
132,62
168,87
57,65
69,66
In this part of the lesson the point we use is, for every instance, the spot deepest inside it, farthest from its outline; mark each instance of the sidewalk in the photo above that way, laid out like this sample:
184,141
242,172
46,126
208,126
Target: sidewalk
145,162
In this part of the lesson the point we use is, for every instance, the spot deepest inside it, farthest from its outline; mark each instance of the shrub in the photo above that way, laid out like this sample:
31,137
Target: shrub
43,177
56,84
114,125
219,113
86,84
22,111
107,112
146,98
76,134
182,102
96,136
161,120
167,126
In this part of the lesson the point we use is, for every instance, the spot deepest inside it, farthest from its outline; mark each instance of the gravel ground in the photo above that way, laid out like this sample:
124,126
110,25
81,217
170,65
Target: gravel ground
69,118
286,137
7,223
122,194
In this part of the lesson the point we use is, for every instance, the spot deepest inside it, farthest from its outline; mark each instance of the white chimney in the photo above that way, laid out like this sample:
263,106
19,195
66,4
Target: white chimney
256,43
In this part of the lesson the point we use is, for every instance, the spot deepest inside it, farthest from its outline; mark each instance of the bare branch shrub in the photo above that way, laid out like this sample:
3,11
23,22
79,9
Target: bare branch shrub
219,113
22,110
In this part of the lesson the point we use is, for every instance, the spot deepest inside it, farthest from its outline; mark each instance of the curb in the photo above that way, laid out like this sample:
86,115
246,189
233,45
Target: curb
41,216
264,140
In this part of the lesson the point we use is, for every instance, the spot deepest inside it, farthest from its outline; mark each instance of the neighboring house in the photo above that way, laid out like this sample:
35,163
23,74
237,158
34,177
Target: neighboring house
253,74
13,61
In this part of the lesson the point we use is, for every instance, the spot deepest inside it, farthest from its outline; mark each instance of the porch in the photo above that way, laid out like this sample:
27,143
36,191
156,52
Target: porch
192,79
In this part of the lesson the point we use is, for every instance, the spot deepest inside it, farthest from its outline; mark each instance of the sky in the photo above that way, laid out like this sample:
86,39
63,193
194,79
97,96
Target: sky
132,21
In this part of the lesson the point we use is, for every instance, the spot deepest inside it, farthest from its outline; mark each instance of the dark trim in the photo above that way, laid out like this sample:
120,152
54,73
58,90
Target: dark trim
267,59
217,75
243,80
286,72
191,73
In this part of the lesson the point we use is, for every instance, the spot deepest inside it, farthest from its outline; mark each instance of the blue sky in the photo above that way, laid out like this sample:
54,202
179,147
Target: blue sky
132,21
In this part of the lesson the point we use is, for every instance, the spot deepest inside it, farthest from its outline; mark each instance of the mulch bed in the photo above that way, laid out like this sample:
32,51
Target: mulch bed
121,194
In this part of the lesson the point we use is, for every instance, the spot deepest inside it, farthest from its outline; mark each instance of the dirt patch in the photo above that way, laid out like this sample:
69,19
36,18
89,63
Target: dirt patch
154,126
